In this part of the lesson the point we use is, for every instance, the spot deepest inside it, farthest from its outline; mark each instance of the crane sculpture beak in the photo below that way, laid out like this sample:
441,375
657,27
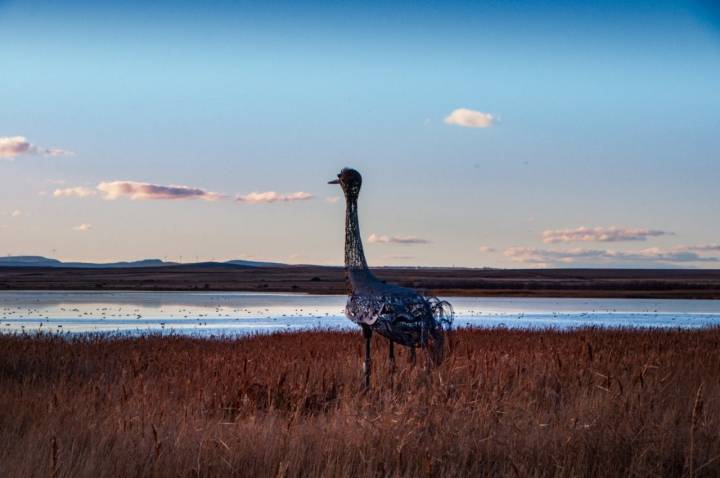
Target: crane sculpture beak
334,181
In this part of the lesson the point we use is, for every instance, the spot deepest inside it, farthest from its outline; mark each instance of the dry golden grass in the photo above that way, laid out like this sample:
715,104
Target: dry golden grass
515,403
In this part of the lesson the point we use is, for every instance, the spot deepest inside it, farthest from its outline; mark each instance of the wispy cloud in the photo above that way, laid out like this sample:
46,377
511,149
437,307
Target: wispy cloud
147,191
332,199
704,247
546,257
79,191
470,118
16,213
83,227
395,257
487,249
383,239
14,146
272,196
601,234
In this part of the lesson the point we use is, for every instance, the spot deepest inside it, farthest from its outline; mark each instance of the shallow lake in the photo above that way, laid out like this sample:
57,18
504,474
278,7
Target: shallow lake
233,313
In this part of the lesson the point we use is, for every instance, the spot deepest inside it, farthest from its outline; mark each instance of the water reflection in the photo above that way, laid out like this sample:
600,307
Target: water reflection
239,312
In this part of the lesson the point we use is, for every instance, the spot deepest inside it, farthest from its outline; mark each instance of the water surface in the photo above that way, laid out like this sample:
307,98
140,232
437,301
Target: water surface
229,313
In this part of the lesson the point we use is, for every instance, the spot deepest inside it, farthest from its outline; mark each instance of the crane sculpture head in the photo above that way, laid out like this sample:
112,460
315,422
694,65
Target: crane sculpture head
350,181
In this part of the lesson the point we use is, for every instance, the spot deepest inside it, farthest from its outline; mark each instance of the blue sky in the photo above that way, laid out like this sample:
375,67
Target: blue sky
604,120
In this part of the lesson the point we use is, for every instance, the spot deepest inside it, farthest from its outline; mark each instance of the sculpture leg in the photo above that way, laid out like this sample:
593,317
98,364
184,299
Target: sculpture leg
367,333
391,355
413,356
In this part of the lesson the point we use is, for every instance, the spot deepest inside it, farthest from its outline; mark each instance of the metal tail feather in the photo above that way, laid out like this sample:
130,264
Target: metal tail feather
440,329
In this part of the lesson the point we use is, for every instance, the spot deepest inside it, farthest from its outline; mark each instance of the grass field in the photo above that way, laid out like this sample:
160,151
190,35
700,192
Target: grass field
505,403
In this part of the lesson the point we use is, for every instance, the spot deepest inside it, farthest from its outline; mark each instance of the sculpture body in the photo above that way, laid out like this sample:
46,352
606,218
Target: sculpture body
397,313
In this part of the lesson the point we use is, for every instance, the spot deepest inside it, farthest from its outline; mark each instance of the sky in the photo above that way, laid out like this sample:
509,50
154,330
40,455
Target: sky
489,134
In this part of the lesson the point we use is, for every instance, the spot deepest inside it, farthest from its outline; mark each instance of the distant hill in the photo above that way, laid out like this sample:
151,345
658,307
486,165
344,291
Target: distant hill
29,261
40,261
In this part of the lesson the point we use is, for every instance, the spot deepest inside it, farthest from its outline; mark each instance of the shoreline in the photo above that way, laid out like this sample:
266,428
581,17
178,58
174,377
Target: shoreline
551,283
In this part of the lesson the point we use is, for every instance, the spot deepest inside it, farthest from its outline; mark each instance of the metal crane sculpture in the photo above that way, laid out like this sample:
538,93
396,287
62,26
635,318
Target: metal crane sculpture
397,313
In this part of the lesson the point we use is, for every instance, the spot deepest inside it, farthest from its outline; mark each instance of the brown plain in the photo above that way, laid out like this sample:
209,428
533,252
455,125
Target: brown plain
628,283
505,403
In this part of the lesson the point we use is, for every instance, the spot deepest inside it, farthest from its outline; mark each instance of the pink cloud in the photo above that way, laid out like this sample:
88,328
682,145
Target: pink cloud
146,191
384,239
272,196
600,234
545,257
13,146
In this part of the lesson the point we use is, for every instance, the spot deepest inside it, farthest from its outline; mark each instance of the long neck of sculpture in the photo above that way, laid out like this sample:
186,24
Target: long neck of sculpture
354,254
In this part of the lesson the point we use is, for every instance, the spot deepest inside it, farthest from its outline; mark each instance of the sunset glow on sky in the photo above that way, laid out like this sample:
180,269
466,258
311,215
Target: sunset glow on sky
502,134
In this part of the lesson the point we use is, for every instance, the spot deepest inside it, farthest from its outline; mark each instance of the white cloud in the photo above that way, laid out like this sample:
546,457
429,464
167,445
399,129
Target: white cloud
487,249
332,199
470,118
600,234
145,191
545,257
16,213
14,146
383,239
79,191
272,196
83,227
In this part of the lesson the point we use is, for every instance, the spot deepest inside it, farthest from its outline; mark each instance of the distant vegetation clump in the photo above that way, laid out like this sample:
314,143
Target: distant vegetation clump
504,403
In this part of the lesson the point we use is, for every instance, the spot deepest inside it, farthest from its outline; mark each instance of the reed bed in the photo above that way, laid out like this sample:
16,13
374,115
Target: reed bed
587,402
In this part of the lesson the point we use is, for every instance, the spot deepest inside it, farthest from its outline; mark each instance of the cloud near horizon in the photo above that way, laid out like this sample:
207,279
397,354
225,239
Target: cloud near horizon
14,146
272,196
397,257
704,247
82,227
79,191
470,118
547,257
138,191
601,234
384,239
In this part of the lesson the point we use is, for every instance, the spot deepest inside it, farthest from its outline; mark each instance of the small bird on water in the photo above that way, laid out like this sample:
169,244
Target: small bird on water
400,314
